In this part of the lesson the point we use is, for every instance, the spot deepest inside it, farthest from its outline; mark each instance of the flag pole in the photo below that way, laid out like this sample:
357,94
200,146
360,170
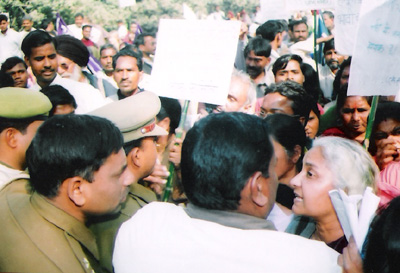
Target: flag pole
315,41
168,187
371,119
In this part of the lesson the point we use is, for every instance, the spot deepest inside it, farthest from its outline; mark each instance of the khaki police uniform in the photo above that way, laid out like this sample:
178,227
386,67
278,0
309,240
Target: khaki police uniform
36,236
105,228
135,117
20,104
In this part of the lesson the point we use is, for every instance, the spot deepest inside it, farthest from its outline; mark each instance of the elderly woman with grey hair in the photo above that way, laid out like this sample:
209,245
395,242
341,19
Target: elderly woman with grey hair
332,163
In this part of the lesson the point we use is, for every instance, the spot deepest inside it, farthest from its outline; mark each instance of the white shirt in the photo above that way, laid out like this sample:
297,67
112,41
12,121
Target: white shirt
110,79
8,174
122,31
86,96
23,33
304,49
280,219
10,45
326,78
161,237
274,56
76,31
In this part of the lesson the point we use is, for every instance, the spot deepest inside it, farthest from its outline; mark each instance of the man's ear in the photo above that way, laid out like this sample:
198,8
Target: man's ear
269,61
134,156
27,61
258,187
76,190
140,75
278,37
296,154
11,138
165,123
141,47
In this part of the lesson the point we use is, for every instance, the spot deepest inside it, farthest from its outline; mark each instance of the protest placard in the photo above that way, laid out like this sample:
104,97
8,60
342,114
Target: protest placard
375,67
194,59
309,4
346,22
273,9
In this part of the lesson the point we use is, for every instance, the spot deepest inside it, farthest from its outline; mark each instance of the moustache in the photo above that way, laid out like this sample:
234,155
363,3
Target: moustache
253,70
48,70
333,64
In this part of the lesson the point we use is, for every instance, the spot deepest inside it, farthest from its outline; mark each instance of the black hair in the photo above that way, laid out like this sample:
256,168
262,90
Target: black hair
19,124
129,52
315,109
6,80
70,145
293,23
385,110
296,94
85,26
139,39
58,95
383,241
3,17
328,45
45,23
283,60
311,82
132,144
35,39
289,132
260,46
11,62
338,76
270,29
172,109
79,14
219,154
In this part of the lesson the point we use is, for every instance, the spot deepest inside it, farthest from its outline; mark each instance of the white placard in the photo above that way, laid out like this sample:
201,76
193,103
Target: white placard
355,222
188,13
375,67
346,23
272,10
194,59
309,4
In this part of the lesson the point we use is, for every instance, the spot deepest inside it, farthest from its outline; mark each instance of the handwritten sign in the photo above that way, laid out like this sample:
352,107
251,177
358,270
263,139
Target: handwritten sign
346,23
309,4
273,10
194,59
375,68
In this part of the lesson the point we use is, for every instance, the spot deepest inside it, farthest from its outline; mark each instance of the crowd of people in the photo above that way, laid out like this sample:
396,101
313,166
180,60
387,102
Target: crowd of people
85,156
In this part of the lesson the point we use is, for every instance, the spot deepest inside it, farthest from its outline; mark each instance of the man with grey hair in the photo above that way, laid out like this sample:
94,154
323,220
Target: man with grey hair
27,26
241,95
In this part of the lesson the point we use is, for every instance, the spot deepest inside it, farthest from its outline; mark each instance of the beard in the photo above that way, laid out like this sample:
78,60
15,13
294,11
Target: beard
333,64
75,75
254,71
